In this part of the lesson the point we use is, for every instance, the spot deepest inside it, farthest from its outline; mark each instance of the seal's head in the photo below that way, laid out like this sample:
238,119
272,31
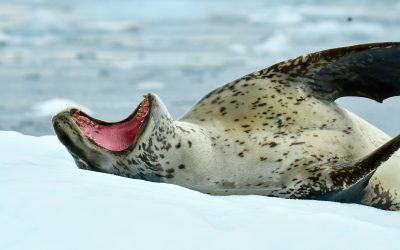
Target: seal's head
103,146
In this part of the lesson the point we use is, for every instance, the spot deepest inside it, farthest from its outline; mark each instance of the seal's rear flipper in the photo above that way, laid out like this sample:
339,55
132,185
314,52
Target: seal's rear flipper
351,181
367,70
351,194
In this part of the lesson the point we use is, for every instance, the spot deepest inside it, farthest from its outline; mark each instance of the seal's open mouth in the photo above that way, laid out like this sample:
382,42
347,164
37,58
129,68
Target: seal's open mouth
116,136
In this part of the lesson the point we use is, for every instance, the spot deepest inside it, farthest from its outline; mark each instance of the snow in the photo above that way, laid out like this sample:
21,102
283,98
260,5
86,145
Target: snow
53,106
47,203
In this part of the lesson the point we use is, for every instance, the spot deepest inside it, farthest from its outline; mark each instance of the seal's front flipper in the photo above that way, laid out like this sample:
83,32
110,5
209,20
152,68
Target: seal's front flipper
349,182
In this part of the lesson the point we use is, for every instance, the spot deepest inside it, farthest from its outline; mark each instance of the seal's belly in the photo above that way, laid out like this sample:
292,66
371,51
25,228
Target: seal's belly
275,164
266,166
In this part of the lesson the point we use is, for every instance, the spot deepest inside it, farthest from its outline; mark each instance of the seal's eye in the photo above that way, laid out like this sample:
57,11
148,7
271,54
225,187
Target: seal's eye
113,136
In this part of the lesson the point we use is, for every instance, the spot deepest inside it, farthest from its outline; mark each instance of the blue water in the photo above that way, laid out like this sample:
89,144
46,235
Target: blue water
106,54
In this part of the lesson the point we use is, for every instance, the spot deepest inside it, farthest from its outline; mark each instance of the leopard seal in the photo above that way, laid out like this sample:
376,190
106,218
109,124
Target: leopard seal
275,132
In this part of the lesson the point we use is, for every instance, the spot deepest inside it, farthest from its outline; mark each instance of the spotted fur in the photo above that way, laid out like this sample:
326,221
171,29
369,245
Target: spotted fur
275,132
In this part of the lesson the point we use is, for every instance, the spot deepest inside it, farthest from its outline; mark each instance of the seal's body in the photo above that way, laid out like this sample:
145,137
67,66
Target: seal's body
276,132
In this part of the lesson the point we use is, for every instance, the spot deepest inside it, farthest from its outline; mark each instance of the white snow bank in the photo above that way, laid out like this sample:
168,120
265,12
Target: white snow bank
52,106
47,203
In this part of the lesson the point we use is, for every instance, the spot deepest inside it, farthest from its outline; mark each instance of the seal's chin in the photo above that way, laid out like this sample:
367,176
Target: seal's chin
117,136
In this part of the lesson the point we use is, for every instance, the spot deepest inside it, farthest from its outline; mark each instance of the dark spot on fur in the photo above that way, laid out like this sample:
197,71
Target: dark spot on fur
296,143
228,184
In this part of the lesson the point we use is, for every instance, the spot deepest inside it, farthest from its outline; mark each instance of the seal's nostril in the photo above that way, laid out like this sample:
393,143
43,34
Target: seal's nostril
82,164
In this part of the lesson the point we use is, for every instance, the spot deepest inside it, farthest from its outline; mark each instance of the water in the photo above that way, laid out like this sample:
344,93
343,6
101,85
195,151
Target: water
105,55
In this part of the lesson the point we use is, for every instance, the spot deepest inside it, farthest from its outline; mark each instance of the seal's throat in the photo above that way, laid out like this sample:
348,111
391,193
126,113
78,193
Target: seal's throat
116,136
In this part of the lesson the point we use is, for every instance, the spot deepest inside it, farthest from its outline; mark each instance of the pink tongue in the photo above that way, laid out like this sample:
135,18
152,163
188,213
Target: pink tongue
115,137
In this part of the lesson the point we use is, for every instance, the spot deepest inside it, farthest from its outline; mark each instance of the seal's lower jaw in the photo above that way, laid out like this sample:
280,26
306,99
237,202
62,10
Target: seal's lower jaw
118,136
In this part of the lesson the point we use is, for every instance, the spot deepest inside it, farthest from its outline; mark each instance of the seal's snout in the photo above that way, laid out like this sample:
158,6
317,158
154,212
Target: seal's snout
85,154
59,117
63,117
61,133
65,128
60,120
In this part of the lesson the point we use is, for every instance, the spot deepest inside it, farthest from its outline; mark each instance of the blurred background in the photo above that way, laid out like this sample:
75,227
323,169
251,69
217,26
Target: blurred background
104,55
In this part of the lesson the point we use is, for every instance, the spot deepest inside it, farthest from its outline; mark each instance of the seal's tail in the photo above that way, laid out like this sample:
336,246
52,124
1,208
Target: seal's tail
355,178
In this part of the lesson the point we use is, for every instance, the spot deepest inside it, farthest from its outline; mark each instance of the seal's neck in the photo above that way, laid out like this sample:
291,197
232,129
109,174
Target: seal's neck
162,152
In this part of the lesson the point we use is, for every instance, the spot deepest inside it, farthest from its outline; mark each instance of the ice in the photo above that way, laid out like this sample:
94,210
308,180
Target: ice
278,43
238,49
53,106
112,26
47,203
275,16
150,85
